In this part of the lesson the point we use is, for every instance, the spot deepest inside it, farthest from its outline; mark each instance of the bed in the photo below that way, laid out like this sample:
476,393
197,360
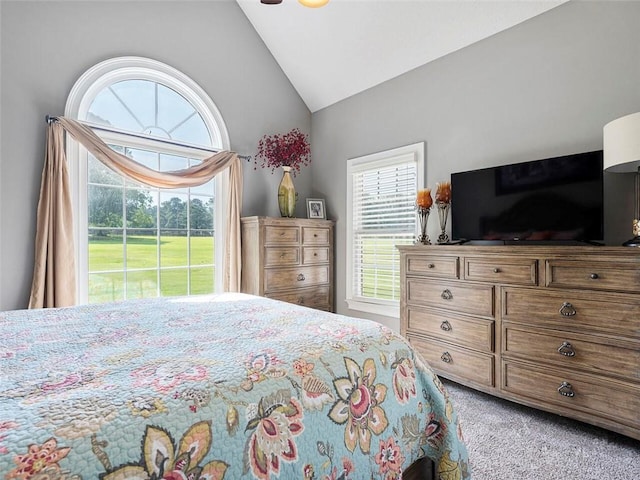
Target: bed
225,386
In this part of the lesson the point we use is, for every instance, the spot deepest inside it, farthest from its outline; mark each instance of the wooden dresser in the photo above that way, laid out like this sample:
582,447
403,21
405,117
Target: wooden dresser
557,328
289,259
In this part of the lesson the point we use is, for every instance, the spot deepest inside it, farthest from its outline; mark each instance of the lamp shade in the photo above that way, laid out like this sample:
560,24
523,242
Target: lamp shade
621,142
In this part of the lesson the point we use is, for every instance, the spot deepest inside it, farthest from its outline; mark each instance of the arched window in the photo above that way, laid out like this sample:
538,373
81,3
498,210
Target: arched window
132,240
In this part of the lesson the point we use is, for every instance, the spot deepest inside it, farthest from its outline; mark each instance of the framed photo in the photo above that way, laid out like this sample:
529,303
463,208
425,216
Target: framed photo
316,209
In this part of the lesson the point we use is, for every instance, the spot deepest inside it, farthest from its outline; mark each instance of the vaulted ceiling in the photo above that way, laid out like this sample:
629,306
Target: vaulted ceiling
341,49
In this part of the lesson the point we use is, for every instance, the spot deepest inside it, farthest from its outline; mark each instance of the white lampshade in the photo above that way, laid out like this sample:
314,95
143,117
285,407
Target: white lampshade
314,3
621,142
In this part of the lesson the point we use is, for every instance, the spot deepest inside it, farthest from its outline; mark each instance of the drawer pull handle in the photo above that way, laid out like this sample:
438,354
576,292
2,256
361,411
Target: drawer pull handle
301,277
431,265
446,357
300,300
567,350
496,270
282,255
567,310
594,276
446,326
566,390
446,294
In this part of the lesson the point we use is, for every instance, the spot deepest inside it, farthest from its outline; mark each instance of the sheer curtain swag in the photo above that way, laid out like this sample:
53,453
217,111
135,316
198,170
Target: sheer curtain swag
54,283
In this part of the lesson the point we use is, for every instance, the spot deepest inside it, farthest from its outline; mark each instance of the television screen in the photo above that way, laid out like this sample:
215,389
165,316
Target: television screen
552,200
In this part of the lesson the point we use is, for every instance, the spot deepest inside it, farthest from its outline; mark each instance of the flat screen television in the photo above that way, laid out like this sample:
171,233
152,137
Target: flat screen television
556,200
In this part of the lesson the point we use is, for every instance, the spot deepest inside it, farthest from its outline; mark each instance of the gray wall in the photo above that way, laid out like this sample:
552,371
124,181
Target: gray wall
46,45
543,88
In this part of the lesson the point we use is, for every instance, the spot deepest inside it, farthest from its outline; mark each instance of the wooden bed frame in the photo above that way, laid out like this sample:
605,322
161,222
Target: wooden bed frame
422,469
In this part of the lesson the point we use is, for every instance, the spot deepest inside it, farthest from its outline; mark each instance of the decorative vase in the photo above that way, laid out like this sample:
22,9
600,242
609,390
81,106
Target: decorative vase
287,195
443,215
423,217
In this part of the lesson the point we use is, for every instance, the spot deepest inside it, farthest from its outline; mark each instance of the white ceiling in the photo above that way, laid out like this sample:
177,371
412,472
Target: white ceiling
348,46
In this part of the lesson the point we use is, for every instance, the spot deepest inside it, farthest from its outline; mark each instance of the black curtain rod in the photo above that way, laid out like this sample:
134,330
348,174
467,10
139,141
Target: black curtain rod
49,119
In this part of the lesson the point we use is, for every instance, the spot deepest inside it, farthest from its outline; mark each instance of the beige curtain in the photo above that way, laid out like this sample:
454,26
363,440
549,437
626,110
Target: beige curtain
49,273
54,283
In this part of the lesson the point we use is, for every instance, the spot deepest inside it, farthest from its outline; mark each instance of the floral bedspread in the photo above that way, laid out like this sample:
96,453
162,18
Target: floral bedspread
228,386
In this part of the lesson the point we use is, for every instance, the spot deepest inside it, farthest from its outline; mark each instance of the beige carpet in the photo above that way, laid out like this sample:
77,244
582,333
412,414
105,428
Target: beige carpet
507,441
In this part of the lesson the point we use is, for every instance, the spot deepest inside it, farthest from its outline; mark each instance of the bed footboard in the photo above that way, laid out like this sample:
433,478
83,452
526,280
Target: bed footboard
422,469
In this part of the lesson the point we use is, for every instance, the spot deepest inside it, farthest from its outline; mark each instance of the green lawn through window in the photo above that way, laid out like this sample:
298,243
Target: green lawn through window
106,265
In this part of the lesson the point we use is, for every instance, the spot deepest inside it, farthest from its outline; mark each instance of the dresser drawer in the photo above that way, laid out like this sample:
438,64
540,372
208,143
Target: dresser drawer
623,277
311,255
465,331
314,297
315,236
573,311
284,278
276,234
274,256
456,363
433,266
572,351
619,401
518,271
473,298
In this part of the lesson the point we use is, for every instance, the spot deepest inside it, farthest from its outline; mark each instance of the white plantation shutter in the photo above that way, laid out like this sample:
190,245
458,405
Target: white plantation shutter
381,214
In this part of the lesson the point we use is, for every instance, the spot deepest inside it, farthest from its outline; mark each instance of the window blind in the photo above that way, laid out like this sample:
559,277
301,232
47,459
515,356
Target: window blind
383,216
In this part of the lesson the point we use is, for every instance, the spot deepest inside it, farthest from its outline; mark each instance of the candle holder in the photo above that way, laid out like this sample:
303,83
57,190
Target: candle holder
423,217
443,215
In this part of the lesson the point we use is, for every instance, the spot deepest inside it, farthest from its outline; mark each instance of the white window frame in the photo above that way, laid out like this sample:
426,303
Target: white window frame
86,88
401,155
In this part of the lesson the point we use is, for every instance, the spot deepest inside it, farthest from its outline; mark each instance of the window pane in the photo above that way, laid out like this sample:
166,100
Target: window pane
98,173
170,163
202,251
173,211
173,250
377,265
174,281
106,250
193,131
107,110
141,208
142,284
105,206
142,249
106,287
144,157
202,280
138,97
201,213
173,109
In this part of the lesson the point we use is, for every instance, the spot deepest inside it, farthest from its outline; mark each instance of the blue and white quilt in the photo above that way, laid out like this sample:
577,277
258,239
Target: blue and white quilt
216,387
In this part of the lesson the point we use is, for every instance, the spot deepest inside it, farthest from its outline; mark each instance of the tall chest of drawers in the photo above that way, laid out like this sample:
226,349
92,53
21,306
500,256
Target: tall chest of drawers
552,327
289,259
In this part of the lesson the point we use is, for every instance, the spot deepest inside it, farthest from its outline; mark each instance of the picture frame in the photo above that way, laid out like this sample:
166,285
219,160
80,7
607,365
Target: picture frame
316,209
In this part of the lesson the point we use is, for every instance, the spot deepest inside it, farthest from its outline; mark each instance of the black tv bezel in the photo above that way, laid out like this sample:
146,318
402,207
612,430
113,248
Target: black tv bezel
558,180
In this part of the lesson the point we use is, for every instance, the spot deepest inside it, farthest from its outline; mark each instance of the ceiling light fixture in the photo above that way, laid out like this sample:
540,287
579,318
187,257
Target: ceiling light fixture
314,3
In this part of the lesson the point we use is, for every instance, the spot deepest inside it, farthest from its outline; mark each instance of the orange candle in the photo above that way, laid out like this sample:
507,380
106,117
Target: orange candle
443,192
423,199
